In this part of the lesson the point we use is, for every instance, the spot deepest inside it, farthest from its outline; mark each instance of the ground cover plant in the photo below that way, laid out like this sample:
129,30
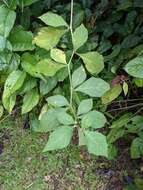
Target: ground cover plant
73,70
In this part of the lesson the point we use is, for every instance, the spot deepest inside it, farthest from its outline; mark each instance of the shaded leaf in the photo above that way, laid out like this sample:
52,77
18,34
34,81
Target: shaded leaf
78,76
85,106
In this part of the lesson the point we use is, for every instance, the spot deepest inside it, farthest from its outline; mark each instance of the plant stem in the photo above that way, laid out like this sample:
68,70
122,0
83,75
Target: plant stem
70,61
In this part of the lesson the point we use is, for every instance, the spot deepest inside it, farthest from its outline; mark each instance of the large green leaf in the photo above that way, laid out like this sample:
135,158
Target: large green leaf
48,85
48,67
135,67
93,61
94,87
53,19
13,83
48,121
96,143
21,40
80,36
59,139
94,119
48,37
7,19
30,100
58,55
64,118
112,94
9,102
78,76
57,101
85,106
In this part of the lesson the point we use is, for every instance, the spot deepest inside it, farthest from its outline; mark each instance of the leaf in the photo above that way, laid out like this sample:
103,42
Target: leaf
9,102
48,37
1,111
112,94
4,44
93,119
115,134
48,121
48,67
48,85
80,36
28,85
21,40
137,148
7,19
53,19
85,106
94,87
78,76
57,101
81,137
96,143
13,82
26,2
125,88
65,118
135,67
138,82
30,100
93,61
59,139
58,56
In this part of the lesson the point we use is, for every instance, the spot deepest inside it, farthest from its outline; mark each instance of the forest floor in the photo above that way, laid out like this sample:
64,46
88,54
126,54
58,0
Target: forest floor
23,166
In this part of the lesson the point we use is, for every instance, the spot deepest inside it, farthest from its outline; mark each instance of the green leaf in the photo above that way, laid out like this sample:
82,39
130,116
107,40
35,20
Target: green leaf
58,55
24,3
57,101
9,102
53,19
135,67
48,37
96,143
85,106
138,82
13,82
137,148
7,19
93,119
48,67
59,139
1,111
30,100
21,40
81,137
65,118
80,36
48,85
4,44
94,87
115,134
93,61
28,85
125,88
112,94
48,121
78,76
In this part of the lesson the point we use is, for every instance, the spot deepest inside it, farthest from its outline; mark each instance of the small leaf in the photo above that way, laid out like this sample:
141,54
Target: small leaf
80,36
30,100
48,85
1,111
137,148
85,106
96,143
93,61
21,40
78,76
65,118
58,55
59,139
94,87
48,121
53,19
81,137
125,88
112,94
9,102
138,82
57,101
135,67
48,37
13,82
93,119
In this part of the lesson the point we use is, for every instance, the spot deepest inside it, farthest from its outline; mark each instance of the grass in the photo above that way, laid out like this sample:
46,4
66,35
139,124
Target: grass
24,166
